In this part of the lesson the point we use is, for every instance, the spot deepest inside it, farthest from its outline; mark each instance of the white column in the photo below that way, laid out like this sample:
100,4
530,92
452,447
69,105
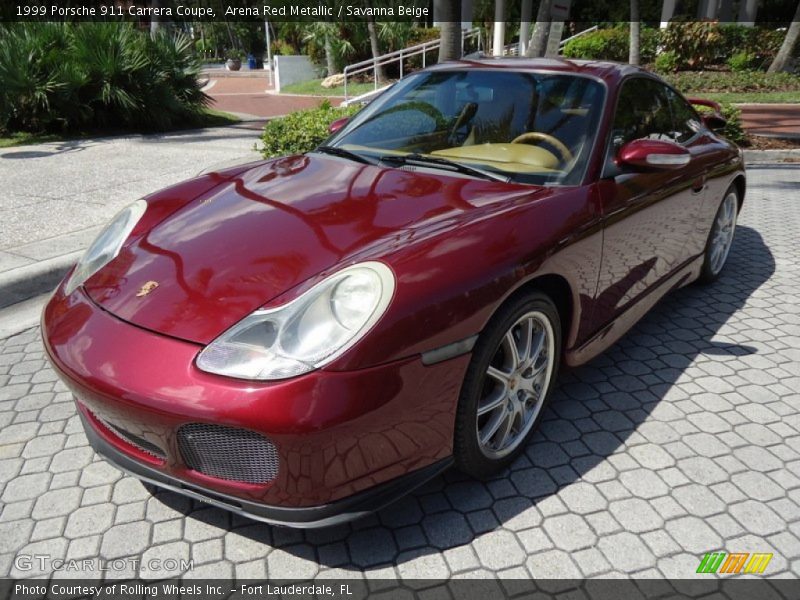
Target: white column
748,9
499,27
667,12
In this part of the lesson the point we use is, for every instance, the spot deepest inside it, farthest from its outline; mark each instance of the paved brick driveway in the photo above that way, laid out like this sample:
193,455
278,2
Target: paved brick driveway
684,439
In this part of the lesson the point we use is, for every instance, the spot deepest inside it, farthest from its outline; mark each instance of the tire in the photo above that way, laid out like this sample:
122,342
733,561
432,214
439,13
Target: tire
720,238
511,398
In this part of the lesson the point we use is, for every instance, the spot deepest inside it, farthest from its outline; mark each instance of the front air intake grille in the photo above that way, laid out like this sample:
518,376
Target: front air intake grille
134,440
228,452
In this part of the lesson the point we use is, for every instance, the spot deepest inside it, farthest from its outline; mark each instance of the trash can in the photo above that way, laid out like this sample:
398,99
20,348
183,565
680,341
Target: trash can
251,61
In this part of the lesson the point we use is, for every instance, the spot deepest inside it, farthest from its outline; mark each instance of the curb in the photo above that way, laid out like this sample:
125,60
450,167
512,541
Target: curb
771,156
26,282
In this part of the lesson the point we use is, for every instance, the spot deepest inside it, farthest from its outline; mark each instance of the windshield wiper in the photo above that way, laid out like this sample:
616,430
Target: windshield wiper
444,163
342,153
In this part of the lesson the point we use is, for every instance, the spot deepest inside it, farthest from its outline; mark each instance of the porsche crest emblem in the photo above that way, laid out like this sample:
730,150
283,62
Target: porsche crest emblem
146,288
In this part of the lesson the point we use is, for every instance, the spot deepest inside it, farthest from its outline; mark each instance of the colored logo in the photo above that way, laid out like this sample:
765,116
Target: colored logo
736,562
146,288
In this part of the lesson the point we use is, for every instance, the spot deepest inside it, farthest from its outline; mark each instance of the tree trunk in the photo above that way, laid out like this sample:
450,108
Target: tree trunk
375,47
635,25
449,14
330,59
155,20
781,60
541,31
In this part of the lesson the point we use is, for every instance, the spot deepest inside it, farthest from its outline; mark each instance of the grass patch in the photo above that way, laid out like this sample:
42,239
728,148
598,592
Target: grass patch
23,139
209,117
753,97
313,88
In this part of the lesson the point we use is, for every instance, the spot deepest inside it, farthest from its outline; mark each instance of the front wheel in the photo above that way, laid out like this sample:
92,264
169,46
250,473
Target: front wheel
513,369
720,238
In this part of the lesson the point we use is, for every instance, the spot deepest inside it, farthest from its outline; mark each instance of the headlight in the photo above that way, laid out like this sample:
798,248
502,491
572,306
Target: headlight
307,333
106,246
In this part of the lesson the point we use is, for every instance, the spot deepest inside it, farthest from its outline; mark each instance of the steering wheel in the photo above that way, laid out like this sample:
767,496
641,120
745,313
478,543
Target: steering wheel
537,136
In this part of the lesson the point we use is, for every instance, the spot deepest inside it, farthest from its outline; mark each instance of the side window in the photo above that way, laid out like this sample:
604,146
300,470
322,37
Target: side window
643,111
687,124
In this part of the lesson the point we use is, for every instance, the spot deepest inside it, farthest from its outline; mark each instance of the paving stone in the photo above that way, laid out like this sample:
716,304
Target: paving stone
130,539
372,547
299,560
26,487
636,515
683,438
165,560
757,485
569,532
626,551
698,500
89,520
757,517
693,535
57,503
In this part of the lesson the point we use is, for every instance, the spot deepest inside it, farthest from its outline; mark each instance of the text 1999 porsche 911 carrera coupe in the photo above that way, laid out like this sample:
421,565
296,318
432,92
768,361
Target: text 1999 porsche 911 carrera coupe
304,339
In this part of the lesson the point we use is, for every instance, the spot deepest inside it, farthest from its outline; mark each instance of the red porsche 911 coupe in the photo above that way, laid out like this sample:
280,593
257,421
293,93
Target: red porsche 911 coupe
304,339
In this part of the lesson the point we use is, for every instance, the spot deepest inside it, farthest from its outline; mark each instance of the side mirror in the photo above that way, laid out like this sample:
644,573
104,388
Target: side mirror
714,121
712,118
653,154
337,125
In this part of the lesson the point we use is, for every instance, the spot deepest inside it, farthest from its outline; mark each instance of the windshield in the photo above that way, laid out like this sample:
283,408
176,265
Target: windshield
534,128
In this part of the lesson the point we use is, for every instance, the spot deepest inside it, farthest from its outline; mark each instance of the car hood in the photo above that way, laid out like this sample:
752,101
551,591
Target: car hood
260,234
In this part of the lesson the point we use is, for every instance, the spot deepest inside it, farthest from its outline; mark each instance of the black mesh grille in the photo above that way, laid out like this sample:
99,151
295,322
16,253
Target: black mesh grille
135,440
228,452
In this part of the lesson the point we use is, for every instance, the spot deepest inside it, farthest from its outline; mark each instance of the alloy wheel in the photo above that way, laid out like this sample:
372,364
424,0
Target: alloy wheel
515,385
722,234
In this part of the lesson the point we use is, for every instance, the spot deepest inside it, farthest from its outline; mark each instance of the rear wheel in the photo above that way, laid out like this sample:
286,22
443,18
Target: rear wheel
720,238
513,369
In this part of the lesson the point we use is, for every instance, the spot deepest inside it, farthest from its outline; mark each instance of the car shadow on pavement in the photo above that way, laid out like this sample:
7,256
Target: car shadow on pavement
606,429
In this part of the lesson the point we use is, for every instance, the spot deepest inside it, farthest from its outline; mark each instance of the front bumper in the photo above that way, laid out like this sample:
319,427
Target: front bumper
347,442
339,511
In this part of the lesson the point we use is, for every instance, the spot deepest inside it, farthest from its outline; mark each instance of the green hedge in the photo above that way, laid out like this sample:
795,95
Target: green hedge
62,77
684,45
612,44
301,131
710,82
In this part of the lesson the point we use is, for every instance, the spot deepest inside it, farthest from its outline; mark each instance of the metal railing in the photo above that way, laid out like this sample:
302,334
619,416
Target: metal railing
513,49
401,55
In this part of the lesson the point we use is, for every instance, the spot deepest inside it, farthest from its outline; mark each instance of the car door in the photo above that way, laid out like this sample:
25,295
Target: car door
648,214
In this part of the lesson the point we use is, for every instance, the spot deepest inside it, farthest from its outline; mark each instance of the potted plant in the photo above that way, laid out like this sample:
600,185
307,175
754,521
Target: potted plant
234,62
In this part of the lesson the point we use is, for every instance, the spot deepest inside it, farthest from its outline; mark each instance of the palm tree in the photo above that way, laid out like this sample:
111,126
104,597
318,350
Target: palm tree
323,33
449,15
541,31
374,46
789,42
635,25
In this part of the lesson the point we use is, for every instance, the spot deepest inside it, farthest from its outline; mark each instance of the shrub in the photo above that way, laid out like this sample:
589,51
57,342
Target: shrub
301,131
698,44
710,82
733,129
612,44
60,77
667,62
742,61
694,43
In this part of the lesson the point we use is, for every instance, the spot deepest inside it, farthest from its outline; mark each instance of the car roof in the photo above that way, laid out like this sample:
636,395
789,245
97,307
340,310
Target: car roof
606,70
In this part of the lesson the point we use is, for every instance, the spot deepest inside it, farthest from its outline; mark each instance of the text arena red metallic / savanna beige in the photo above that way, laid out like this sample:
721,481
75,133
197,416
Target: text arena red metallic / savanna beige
303,340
